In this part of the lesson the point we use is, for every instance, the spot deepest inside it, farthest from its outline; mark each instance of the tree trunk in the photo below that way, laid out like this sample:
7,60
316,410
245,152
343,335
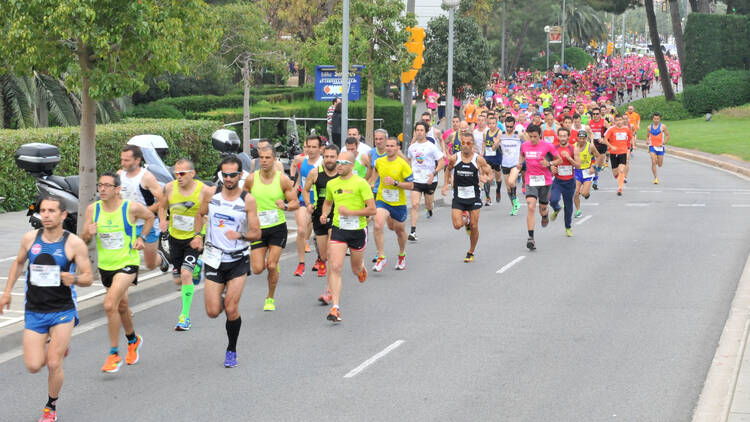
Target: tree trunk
370,117
693,6
704,6
246,107
674,11
301,76
666,83
521,42
730,6
87,154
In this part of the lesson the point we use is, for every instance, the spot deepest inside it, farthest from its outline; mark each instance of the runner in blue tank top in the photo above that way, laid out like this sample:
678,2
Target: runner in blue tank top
304,223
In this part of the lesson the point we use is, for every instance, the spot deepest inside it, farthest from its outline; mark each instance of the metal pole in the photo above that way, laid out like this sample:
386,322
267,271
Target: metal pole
547,51
406,97
622,44
345,73
502,54
562,37
449,92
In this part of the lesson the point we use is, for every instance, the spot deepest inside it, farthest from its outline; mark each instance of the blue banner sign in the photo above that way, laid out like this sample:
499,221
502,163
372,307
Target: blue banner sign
328,83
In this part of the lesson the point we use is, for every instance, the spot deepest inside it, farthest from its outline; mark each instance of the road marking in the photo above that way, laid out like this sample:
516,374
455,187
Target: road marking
691,205
742,193
637,204
649,191
583,220
373,359
740,205
698,192
10,258
510,264
593,204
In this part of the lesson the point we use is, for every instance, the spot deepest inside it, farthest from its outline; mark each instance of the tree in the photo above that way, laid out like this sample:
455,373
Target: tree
376,40
666,83
471,59
248,42
104,49
618,7
583,24
674,11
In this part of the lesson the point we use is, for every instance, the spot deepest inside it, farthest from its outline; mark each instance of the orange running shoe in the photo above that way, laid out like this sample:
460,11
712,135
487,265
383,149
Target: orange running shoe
334,315
134,350
112,364
322,270
362,276
49,415
307,247
325,298
300,271
317,264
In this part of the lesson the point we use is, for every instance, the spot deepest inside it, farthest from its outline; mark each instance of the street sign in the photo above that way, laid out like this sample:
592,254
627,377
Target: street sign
328,83
555,34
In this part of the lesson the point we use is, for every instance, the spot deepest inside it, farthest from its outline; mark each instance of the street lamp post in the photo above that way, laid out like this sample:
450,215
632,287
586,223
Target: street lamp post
345,72
562,36
451,5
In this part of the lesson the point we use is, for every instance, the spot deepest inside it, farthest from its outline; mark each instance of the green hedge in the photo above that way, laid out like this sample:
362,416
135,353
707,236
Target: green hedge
720,89
390,111
540,63
577,58
715,42
670,110
186,138
155,111
200,103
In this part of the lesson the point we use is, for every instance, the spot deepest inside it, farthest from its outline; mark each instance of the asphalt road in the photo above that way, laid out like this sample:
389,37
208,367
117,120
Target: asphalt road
619,322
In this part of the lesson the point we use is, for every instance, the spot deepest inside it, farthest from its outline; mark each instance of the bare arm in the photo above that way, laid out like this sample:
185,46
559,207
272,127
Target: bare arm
666,133
312,177
139,211
253,223
164,205
80,253
15,269
292,203
200,217
150,183
327,204
485,170
89,231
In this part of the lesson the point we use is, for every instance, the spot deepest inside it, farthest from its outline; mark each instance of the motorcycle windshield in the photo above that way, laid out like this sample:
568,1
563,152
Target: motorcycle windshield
246,161
156,166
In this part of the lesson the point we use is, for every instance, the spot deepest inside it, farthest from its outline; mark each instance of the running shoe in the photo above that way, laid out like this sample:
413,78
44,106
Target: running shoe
183,324
270,304
595,186
625,180
578,213
469,257
619,192
656,181
164,265
530,244
48,415
428,213
379,264
334,315
317,263
325,298
134,351
375,259
362,276
112,364
413,236
307,247
523,190
322,270
488,202
569,232
545,220
401,265
300,271
230,360
553,217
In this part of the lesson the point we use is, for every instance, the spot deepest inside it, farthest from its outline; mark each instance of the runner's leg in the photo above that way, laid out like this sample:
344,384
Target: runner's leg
272,265
474,224
212,292
34,355
59,341
381,219
116,293
336,257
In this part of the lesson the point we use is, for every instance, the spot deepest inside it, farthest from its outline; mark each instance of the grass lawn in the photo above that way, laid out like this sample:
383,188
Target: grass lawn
727,133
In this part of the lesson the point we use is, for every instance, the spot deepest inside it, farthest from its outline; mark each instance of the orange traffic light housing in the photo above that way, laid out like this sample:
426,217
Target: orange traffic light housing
610,48
415,45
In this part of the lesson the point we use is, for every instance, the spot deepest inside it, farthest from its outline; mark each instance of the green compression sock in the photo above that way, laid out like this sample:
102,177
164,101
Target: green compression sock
187,298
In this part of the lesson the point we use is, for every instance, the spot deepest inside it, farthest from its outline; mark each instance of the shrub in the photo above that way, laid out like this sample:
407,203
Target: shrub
186,138
670,110
719,89
155,111
540,63
715,42
576,57
201,103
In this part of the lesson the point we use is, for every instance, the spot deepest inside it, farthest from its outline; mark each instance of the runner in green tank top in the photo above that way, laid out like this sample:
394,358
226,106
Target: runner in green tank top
270,188
111,221
182,198
359,169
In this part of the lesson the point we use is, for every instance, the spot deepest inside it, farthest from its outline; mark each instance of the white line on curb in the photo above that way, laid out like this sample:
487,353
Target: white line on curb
583,220
510,264
372,360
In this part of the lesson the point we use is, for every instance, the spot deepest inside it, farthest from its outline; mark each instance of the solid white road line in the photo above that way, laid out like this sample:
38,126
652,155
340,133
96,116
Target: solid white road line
10,258
740,205
698,192
583,220
637,204
373,359
691,205
507,266
649,191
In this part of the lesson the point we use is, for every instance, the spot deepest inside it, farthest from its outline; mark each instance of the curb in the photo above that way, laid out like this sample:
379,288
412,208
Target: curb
705,159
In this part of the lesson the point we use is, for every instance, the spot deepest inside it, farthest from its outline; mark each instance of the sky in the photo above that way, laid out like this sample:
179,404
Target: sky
426,10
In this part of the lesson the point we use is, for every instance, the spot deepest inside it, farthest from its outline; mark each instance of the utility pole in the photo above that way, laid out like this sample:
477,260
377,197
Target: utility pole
406,97
622,45
345,73
502,48
562,37
451,4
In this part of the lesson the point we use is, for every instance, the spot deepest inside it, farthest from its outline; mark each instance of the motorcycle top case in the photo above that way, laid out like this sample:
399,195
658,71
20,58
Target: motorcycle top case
225,140
37,158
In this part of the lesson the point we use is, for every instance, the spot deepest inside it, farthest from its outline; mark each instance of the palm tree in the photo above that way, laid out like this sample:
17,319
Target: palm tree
583,24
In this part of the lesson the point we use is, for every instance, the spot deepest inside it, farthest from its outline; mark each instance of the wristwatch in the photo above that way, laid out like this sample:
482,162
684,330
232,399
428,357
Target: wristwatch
395,183
142,237
197,234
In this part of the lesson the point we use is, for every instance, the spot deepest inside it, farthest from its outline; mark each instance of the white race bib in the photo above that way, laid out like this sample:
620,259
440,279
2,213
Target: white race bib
549,139
390,195
421,174
466,192
658,149
183,222
114,240
45,275
268,217
212,256
349,222
565,170
489,152
597,135
588,173
621,136
536,181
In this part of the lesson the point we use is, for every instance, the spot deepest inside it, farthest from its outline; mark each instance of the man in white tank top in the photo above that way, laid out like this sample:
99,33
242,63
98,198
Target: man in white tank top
139,185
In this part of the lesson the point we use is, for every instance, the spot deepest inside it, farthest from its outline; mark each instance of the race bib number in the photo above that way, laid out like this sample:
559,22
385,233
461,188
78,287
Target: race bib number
466,192
390,195
183,222
658,149
565,170
114,240
349,222
621,136
587,173
268,217
549,139
421,174
45,275
597,135
212,256
536,181
489,152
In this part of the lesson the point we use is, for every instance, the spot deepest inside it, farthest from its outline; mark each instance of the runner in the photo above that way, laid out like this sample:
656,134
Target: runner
493,156
564,184
656,136
423,155
395,177
315,187
433,134
139,185
270,188
50,306
353,201
232,224
182,198
598,127
360,167
618,139
549,128
538,158
465,171
586,153
112,222
302,216
510,144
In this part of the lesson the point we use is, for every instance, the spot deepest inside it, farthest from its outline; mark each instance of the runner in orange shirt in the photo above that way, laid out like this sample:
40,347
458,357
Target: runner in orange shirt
656,136
619,139
471,112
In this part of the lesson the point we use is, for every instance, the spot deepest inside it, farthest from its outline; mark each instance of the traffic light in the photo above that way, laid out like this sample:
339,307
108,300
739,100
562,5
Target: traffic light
610,48
415,45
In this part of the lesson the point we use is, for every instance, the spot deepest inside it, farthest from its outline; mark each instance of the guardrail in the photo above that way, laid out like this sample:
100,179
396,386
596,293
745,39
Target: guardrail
259,120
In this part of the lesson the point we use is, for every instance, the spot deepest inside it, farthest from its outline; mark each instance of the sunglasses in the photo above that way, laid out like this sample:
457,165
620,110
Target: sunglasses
594,114
105,185
343,162
231,175
182,173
